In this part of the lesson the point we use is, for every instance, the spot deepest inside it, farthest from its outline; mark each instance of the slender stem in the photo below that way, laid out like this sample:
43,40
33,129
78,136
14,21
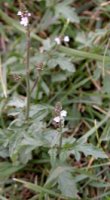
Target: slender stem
27,72
19,1
60,142
35,83
64,28
1,115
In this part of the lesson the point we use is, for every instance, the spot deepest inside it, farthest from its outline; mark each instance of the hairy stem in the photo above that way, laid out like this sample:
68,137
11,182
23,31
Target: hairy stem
27,72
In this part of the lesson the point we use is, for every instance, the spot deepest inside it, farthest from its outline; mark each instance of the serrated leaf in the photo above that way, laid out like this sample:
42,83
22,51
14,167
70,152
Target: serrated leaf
67,185
63,62
51,137
89,149
39,58
39,111
47,20
17,102
56,172
76,147
66,64
47,44
67,12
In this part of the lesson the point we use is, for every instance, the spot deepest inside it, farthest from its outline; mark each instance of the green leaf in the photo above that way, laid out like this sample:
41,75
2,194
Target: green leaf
100,184
89,149
3,198
106,83
63,62
67,12
45,88
50,137
76,147
55,173
60,76
67,185
38,111
17,102
66,64
47,20
7,169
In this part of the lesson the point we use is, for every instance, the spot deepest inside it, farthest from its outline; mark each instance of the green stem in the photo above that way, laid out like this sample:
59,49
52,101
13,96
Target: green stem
35,83
60,142
64,27
27,72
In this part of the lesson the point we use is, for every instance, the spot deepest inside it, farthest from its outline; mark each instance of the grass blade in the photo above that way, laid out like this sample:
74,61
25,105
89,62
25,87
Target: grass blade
38,189
3,80
84,54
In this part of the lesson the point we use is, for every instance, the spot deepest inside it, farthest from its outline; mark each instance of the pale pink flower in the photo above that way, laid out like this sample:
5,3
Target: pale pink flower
66,38
61,117
57,40
19,13
24,21
24,17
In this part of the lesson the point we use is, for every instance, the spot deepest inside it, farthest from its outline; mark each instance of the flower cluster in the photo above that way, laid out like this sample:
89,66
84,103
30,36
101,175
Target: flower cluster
61,116
58,40
24,18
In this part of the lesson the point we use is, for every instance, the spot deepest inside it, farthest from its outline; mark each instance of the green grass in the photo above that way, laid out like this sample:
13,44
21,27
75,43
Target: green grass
76,74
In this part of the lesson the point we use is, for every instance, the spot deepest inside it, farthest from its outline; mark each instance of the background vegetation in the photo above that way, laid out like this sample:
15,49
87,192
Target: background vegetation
40,159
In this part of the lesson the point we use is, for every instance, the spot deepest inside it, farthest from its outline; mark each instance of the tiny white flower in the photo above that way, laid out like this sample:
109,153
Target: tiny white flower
66,38
19,13
61,117
57,40
29,14
24,21
57,119
63,113
24,17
